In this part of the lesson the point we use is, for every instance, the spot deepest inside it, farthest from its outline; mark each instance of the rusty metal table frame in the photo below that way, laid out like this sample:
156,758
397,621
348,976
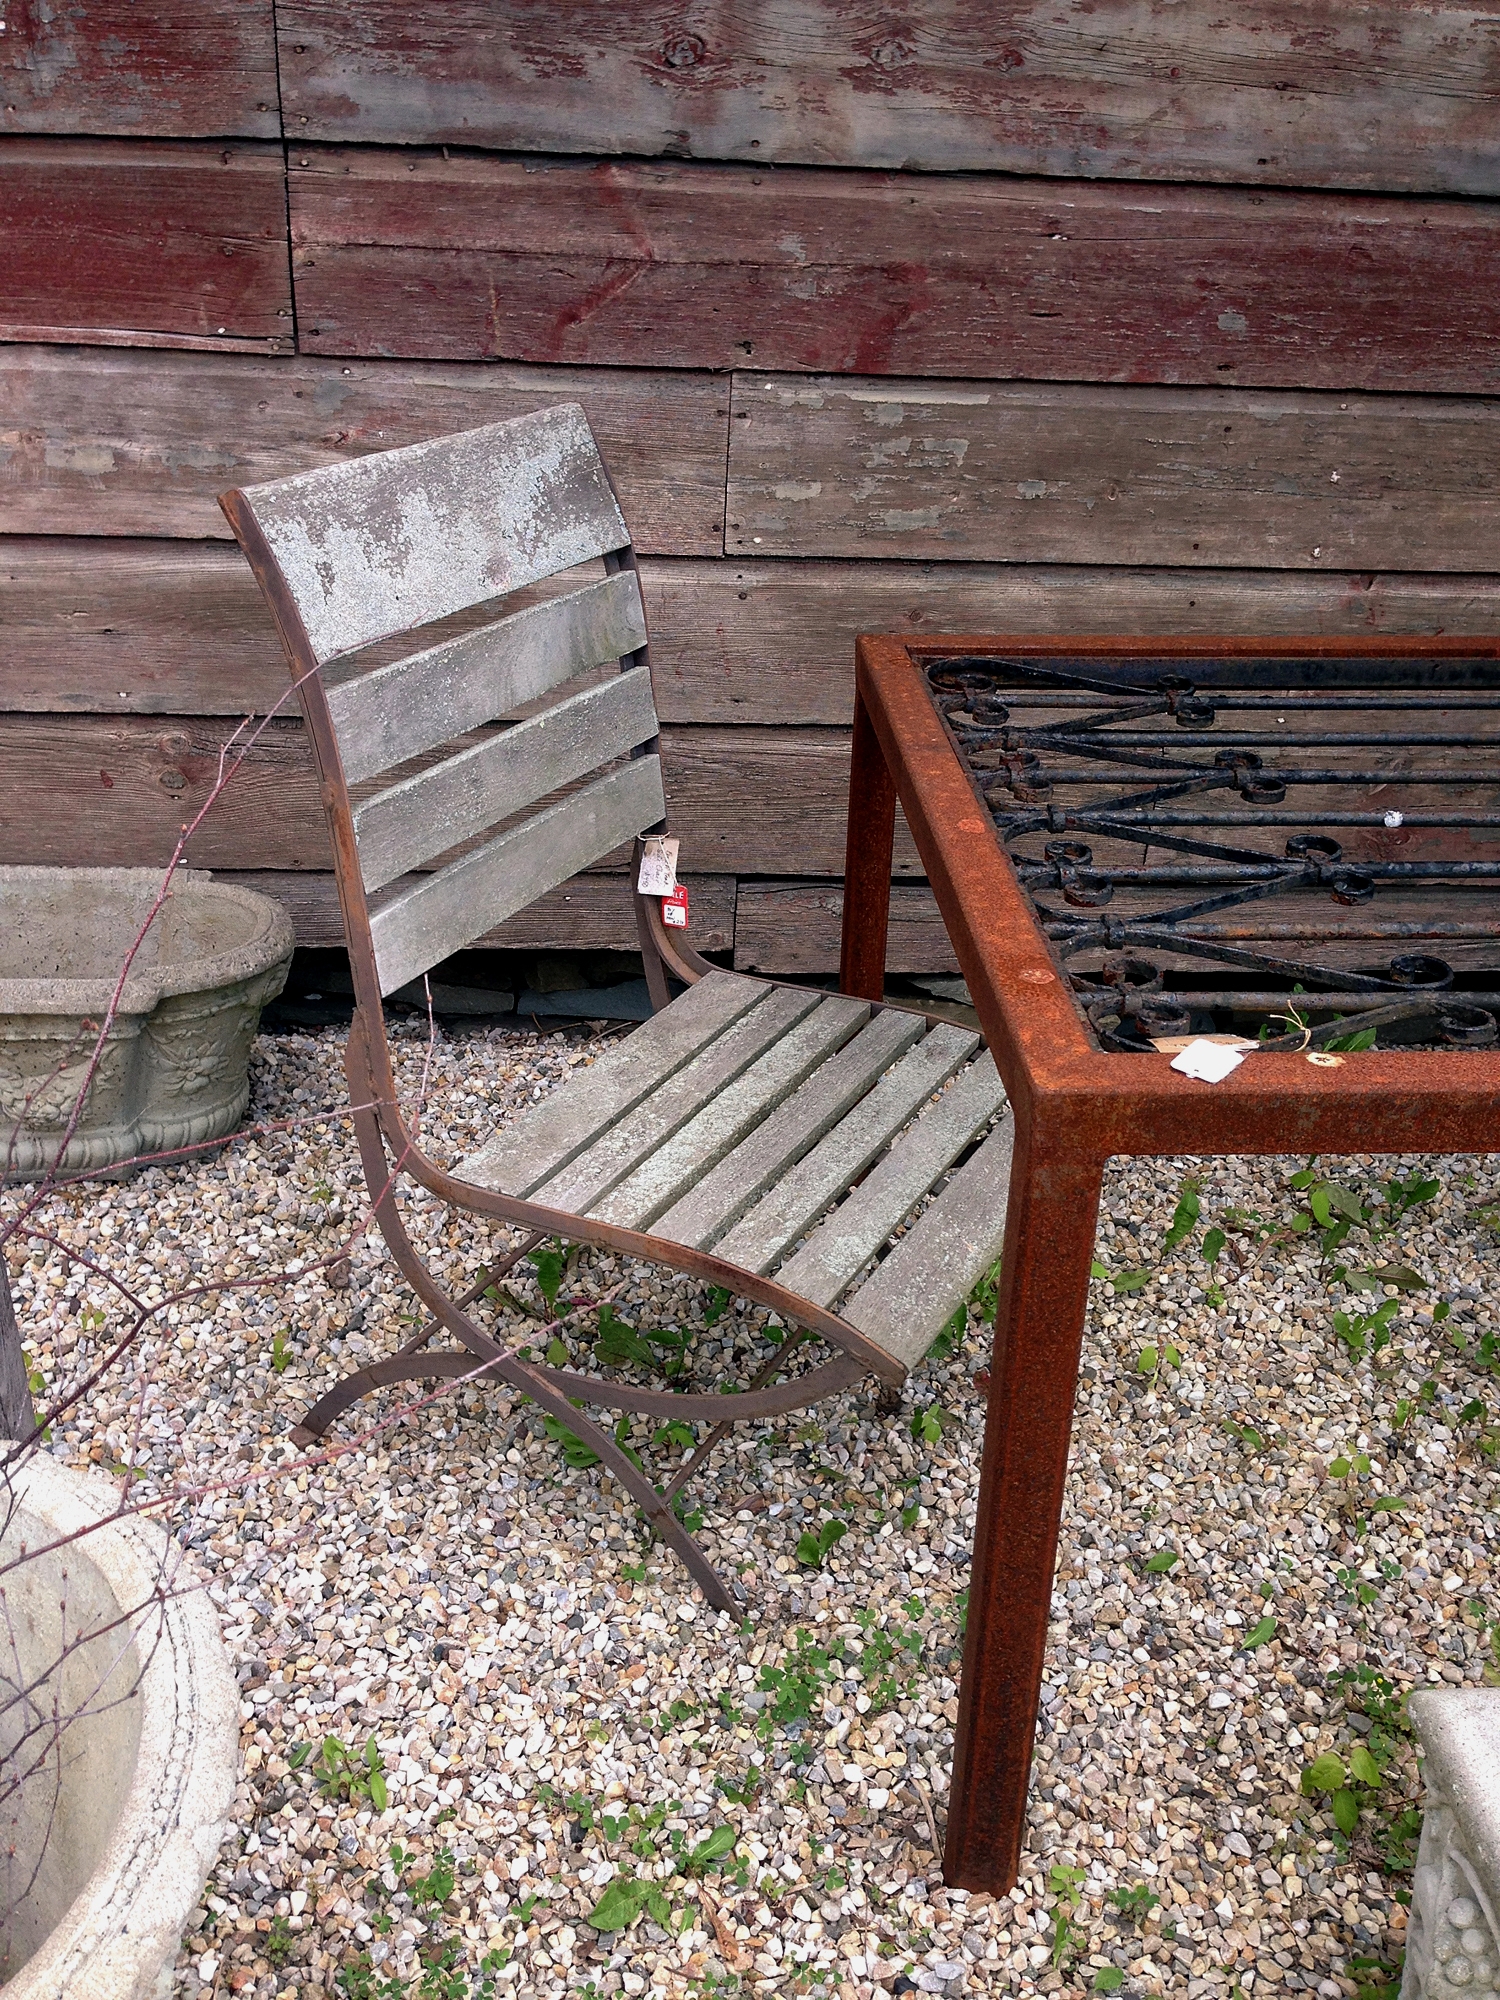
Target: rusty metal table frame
1075,1107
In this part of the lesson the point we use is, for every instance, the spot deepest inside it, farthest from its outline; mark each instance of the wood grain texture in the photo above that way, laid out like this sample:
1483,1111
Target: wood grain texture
544,1137
452,802
378,545
795,1201
114,443
145,243
591,1175
441,913
1195,477
180,69
908,1297
717,1199
794,927
410,705
86,789
1303,92
732,1114
833,1254
701,266
94,624
591,913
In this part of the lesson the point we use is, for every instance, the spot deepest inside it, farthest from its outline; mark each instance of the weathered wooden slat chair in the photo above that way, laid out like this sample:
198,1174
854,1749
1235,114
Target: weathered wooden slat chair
758,1136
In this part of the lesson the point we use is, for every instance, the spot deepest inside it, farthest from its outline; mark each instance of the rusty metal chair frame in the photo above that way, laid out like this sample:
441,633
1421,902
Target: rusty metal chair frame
1075,1108
390,1148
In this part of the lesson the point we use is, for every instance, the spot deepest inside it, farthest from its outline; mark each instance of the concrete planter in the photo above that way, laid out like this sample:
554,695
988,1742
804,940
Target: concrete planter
113,1840
173,1071
1453,1941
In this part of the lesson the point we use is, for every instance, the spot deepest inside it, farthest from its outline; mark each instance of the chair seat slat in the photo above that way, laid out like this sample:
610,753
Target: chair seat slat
545,1137
912,1293
453,801
446,911
730,1113
372,546
847,1239
791,1207
612,1156
413,704
718,1200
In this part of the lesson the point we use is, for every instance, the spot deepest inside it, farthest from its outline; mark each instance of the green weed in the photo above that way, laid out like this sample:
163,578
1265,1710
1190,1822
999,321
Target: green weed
1136,1902
342,1774
278,1943
815,1546
1066,1888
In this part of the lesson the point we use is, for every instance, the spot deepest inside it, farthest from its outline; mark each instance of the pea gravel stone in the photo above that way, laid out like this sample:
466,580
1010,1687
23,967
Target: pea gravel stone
491,1619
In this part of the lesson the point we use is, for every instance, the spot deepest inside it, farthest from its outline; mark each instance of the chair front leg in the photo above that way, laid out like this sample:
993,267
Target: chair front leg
1049,1248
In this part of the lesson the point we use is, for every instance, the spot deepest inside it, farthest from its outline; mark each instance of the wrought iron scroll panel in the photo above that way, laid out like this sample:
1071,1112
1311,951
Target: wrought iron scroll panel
1294,850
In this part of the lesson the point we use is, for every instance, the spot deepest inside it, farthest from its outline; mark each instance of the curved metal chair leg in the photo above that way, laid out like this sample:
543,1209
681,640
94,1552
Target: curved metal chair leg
455,1367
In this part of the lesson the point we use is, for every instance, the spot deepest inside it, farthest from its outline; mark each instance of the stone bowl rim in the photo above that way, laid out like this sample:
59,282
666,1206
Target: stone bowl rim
126,1921
39,997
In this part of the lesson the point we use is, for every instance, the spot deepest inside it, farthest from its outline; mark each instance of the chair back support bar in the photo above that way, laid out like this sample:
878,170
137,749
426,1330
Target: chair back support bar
403,709
378,546
443,912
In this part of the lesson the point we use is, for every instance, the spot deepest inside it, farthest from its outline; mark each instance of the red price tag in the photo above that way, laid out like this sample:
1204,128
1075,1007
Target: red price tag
674,908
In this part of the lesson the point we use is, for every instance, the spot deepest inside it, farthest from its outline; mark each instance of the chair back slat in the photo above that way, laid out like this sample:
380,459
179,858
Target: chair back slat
448,910
402,709
453,801
373,546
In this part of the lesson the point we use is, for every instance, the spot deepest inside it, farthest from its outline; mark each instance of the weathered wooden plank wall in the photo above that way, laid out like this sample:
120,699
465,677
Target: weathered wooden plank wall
997,317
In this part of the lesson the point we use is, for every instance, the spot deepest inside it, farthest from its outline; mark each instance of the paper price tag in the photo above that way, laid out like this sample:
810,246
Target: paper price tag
658,876
674,908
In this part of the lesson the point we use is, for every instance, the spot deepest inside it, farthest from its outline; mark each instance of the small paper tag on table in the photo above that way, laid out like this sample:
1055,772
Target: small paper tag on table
674,908
658,876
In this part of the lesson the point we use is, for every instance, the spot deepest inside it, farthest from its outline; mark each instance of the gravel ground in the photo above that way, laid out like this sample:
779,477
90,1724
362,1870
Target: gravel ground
555,1709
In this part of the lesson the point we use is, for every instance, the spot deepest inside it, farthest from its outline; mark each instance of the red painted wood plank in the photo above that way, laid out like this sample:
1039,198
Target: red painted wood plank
178,69
1342,93
144,243
101,443
701,266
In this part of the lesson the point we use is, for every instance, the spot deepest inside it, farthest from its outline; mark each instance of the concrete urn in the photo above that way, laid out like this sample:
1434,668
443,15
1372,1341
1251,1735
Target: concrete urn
173,1071
113,1819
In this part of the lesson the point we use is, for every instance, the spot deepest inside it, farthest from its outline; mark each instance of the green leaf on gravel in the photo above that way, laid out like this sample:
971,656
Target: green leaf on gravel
1263,1629
1130,1281
1363,1765
1324,1774
1161,1562
1108,1979
1345,1812
1399,1275
620,1905
1213,1242
1184,1222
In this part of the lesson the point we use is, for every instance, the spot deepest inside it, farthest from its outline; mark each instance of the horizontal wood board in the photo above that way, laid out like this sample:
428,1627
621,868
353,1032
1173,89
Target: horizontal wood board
178,69
794,927
147,243
443,912
80,788
1301,92
117,443
465,256
590,913
836,466
95,624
